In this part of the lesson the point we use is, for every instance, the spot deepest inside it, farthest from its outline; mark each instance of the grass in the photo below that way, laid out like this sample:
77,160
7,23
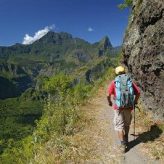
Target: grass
75,143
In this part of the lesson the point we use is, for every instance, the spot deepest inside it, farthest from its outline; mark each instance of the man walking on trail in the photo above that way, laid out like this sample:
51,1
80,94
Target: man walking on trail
125,94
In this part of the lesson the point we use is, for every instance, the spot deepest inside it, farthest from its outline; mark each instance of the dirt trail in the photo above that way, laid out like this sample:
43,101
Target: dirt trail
104,138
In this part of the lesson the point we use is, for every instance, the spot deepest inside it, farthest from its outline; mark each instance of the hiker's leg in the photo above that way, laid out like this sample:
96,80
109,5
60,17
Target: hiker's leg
119,127
127,119
127,130
119,124
126,133
122,147
121,135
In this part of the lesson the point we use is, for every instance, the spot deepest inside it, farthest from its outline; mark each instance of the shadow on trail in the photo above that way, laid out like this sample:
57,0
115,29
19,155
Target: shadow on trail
144,137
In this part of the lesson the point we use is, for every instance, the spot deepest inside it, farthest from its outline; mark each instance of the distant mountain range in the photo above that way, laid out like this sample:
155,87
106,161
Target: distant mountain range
21,65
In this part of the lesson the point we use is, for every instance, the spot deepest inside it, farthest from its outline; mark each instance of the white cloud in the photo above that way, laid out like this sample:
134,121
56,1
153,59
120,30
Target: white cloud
30,39
90,29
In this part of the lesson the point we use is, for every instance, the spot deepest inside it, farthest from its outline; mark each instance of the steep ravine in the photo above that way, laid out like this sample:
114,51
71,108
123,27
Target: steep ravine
143,52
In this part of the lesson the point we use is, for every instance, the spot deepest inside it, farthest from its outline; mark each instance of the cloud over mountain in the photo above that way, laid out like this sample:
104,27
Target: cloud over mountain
39,34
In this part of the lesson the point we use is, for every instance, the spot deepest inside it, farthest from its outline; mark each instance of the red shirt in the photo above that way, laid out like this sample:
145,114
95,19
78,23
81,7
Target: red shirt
112,91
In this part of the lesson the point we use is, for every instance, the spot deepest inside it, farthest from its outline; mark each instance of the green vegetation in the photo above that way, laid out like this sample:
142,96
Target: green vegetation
60,118
21,65
41,103
17,117
127,3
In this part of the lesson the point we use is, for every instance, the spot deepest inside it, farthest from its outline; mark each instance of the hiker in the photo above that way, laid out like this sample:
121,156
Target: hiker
125,94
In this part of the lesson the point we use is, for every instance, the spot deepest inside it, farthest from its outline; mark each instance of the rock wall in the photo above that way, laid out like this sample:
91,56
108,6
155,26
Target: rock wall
143,52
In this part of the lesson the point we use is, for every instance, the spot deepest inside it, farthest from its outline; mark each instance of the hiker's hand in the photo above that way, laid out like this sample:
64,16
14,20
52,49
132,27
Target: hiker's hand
109,100
135,102
110,103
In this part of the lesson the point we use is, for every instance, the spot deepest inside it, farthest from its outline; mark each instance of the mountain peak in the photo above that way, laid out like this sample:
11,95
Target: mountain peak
105,42
54,37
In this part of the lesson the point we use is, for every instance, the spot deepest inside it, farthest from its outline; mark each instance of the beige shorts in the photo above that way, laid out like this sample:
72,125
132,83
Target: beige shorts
121,119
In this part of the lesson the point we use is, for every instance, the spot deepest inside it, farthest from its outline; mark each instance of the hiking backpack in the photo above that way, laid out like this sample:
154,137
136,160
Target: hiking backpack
124,91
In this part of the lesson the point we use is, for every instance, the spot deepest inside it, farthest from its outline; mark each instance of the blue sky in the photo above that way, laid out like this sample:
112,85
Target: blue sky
88,19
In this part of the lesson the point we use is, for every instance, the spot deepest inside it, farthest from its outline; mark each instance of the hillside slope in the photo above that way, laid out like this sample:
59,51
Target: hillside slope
22,65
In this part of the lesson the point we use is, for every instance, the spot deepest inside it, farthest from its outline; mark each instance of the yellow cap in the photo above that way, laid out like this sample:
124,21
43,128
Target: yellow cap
119,69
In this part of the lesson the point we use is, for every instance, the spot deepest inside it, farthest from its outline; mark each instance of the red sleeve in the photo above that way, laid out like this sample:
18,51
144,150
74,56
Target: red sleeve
111,88
136,90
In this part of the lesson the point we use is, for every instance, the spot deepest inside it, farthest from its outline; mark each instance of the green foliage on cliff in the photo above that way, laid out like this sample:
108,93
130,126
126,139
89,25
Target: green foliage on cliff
125,4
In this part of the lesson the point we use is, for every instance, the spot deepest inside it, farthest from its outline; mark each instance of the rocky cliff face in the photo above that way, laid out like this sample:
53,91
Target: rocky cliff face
143,51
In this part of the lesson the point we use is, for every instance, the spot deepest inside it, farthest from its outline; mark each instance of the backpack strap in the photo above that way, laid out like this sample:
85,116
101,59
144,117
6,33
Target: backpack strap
117,82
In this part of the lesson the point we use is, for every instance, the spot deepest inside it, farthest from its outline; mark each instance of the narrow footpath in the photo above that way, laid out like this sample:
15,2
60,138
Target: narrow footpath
103,136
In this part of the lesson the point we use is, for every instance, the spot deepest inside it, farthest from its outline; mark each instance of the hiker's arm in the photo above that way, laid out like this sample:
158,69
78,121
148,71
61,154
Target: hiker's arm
110,91
136,92
109,100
